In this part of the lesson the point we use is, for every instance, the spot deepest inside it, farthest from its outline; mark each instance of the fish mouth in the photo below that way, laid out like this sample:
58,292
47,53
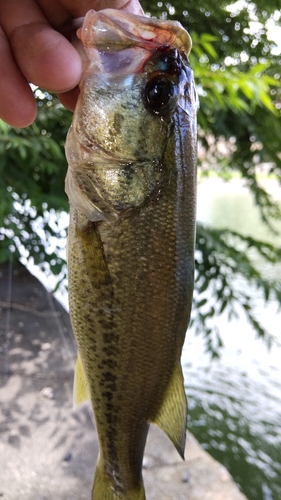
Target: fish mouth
111,37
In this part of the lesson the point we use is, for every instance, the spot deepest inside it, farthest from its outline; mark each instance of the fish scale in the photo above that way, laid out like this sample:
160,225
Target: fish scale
131,269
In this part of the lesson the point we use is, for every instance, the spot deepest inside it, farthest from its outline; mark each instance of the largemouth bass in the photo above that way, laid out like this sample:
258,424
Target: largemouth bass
131,184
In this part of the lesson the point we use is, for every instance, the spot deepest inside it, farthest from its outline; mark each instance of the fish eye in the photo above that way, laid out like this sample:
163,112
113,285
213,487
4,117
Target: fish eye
158,93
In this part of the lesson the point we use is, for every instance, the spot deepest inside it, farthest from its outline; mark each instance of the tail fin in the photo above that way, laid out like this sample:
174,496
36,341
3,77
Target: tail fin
104,489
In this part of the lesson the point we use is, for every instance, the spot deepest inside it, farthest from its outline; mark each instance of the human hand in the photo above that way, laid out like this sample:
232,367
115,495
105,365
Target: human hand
35,47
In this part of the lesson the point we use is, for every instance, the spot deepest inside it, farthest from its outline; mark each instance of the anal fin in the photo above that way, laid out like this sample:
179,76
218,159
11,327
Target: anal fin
81,391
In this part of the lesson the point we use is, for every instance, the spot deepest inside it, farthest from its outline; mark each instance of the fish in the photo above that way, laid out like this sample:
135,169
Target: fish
131,184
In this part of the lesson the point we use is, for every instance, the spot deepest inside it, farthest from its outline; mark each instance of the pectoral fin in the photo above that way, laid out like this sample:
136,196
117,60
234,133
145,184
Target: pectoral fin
172,416
81,391
78,200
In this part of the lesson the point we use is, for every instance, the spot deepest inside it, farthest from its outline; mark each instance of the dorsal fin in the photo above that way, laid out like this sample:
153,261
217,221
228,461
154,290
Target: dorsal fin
172,415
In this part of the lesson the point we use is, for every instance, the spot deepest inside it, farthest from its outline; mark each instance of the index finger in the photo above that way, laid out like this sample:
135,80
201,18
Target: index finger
43,55
17,104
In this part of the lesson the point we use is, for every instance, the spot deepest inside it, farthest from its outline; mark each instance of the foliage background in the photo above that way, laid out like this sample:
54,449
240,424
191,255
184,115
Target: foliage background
237,70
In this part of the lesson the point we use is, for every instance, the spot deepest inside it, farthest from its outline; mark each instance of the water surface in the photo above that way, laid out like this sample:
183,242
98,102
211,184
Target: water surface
235,403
